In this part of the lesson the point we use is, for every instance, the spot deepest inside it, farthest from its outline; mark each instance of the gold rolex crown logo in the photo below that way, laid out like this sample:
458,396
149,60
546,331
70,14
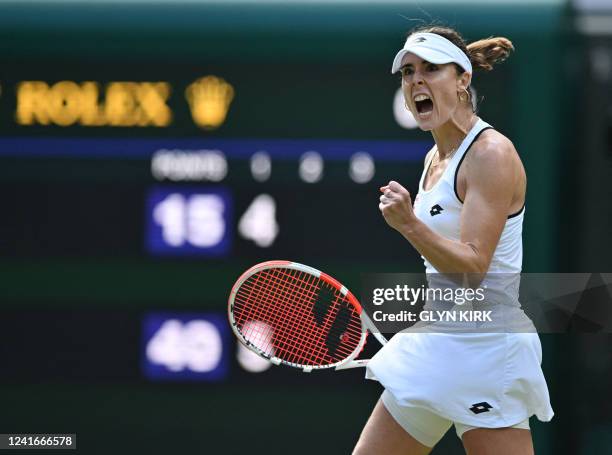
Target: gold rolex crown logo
209,98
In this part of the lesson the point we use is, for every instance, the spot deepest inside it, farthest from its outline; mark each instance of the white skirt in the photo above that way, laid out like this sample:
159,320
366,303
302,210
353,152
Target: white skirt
486,380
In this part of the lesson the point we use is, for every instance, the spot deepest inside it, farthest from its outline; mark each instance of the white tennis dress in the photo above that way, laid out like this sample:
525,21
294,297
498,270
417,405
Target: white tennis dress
490,379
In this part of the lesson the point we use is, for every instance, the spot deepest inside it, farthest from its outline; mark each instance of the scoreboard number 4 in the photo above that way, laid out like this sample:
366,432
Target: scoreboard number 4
258,223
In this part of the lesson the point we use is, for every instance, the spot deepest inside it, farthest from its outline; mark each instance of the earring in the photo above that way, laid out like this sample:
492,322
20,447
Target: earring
468,93
467,97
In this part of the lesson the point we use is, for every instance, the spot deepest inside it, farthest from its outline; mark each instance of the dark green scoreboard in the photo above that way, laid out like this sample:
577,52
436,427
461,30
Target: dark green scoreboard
148,155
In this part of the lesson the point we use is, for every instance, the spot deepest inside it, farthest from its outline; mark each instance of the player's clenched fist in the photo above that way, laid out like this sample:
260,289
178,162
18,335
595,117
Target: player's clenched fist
396,205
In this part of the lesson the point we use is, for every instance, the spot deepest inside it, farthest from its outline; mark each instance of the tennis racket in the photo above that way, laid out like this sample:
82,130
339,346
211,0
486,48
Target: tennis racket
292,314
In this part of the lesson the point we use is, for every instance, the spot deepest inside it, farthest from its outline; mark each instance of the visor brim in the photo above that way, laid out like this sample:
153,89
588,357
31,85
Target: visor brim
427,54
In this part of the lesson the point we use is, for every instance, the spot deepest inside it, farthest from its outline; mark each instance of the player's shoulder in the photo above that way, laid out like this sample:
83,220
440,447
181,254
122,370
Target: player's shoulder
492,149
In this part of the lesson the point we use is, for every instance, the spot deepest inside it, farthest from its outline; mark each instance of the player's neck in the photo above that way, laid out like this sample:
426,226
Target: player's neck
449,136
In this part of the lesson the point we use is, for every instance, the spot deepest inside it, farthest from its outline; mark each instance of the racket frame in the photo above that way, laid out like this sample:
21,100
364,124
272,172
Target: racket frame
366,323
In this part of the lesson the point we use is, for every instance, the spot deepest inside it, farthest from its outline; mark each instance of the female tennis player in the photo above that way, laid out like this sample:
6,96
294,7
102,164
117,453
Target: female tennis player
467,218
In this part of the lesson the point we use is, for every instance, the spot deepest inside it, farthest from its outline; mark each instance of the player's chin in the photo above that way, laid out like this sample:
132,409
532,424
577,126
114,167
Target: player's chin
425,122
425,125
428,124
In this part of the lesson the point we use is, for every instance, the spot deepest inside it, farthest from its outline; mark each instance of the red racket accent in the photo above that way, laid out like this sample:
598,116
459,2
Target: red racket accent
297,317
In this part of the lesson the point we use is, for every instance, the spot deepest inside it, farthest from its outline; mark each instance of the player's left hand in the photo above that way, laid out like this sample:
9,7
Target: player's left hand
396,205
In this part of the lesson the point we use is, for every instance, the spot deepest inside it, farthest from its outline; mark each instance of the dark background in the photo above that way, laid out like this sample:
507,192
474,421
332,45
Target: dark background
76,279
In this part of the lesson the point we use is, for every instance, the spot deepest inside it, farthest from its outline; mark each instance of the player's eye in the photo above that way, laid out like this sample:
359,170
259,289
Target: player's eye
432,67
407,71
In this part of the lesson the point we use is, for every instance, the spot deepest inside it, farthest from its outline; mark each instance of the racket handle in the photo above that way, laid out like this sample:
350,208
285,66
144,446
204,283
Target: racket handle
367,322
379,336
353,364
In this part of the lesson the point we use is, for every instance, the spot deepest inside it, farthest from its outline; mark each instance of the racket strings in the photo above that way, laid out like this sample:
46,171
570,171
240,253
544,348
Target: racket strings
297,333
267,293
291,341
301,319
262,297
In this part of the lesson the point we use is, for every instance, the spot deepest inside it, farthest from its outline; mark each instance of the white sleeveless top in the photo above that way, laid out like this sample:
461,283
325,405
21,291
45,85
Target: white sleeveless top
440,209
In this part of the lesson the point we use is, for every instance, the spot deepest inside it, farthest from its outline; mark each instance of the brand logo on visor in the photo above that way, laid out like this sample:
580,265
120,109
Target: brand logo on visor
420,39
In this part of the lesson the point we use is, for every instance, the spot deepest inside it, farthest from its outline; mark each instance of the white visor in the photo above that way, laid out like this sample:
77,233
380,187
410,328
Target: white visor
433,48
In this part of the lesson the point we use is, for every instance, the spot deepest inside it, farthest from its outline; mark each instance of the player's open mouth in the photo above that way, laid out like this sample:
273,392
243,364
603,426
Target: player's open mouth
424,105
